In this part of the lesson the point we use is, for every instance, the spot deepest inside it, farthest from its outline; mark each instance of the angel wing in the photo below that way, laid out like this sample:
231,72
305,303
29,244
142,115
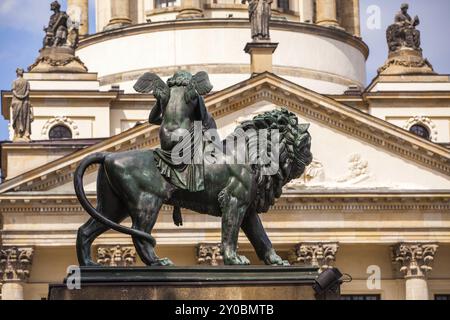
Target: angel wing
201,83
149,82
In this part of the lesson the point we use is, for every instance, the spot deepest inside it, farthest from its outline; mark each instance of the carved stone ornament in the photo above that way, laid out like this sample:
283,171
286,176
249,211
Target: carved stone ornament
209,254
61,120
116,256
321,255
414,259
427,122
314,173
15,264
358,170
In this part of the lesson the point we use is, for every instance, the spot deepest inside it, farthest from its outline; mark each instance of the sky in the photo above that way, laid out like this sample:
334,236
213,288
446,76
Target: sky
22,22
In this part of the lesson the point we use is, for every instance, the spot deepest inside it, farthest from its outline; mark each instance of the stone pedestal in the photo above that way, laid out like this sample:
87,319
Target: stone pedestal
192,283
57,60
261,53
406,61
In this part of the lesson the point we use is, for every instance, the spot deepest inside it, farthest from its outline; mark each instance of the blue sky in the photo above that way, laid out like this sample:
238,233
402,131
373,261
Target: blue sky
22,21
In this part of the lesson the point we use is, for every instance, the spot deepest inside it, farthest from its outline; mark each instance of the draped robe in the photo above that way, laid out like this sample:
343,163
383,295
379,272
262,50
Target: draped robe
21,108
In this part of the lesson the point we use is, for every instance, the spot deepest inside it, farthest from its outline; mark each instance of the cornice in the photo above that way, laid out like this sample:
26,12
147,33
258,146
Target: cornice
38,95
332,33
290,202
217,68
265,87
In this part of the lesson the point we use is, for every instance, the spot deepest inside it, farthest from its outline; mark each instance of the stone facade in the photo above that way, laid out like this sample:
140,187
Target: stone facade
377,207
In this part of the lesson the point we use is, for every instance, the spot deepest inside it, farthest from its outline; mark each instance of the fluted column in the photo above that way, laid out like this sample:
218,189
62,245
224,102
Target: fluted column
307,11
349,17
326,12
321,255
15,267
120,14
356,18
80,7
209,254
415,263
116,256
190,9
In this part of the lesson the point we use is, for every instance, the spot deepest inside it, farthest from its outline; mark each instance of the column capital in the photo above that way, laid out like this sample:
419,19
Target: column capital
116,256
15,263
414,259
209,254
316,254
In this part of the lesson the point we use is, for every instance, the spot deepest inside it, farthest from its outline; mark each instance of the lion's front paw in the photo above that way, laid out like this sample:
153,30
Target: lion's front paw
235,259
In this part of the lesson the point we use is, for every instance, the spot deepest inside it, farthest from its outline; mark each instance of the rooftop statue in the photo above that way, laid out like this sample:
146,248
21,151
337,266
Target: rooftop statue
137,183
405,52
403,33
61,29
22,112
59,44
260,13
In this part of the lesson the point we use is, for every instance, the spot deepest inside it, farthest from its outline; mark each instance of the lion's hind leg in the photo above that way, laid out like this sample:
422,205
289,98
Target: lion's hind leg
111,207
144,217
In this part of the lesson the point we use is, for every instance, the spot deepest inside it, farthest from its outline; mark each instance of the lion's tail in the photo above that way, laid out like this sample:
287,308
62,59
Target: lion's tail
99,158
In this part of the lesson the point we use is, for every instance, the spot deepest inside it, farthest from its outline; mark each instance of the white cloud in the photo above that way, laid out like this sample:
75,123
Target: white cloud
27,15
6,6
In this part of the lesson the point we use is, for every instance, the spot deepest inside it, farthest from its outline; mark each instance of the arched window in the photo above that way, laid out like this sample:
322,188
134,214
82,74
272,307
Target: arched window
60,132
421,131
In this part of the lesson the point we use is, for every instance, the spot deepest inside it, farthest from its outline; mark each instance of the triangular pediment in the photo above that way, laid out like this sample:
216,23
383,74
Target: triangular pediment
349,129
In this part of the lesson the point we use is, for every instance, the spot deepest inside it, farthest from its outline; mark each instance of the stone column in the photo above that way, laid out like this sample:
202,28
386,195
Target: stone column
356,18
414,261
326,13
349,13
209,254
190,9
116,256
321,255
80,7
120,14
15,267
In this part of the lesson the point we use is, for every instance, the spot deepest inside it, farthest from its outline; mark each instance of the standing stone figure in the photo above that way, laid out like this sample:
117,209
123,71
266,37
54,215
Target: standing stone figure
57,31
22,113
403,32
259,13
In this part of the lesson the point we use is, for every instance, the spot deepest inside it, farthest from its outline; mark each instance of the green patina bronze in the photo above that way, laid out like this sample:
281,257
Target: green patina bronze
131,184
